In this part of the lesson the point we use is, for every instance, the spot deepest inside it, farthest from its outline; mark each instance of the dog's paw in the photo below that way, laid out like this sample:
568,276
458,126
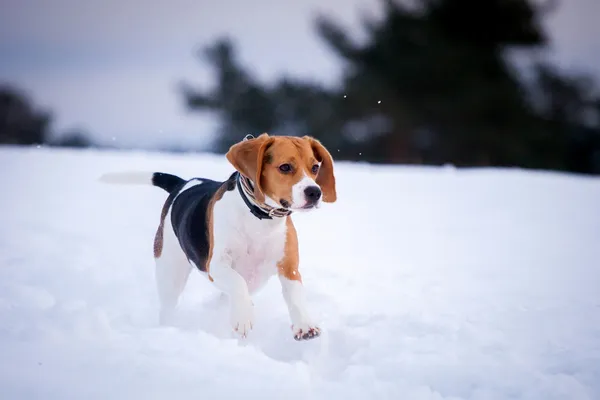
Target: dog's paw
305,332
242,316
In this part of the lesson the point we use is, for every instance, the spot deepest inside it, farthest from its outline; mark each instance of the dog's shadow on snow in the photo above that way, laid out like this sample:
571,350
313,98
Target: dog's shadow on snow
271,335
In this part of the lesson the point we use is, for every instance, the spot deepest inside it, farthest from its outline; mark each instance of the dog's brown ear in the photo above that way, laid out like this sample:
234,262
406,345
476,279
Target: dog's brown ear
247,158
325,177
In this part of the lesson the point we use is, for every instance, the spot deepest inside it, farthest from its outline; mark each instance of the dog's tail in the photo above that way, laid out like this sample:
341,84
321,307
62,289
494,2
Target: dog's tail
164,181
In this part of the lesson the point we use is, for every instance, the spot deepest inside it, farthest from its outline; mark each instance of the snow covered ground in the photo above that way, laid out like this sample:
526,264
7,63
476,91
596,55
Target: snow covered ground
429,283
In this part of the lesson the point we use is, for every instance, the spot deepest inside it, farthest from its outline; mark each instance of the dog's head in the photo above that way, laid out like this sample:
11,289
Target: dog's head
291,172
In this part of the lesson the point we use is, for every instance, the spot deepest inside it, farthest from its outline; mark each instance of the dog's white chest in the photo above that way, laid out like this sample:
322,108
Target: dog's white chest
252,247
255,256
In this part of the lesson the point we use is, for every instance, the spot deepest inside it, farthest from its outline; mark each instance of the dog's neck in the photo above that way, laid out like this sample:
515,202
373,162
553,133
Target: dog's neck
259,210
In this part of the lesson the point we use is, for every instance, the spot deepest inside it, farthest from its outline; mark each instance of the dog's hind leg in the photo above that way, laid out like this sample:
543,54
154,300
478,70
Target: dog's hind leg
171,278
171,272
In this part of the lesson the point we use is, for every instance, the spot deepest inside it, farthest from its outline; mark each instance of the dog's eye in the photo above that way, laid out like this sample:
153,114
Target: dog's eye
315,169
285,167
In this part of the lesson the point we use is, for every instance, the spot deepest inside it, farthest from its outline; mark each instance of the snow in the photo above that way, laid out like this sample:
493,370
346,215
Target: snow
429,283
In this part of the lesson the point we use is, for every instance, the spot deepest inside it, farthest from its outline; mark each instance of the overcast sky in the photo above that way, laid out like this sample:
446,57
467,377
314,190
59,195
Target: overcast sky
111,66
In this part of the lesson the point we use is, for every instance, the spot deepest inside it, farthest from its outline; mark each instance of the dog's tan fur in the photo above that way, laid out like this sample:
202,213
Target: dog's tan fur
158,238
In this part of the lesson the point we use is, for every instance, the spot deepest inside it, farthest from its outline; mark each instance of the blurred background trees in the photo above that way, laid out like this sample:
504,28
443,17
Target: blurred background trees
22,123
433,83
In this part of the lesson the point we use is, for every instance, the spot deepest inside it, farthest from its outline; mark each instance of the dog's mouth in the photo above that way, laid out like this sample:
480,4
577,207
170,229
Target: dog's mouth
306,207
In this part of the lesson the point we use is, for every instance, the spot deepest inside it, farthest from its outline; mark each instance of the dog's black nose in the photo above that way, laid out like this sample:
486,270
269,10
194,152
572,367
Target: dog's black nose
312,193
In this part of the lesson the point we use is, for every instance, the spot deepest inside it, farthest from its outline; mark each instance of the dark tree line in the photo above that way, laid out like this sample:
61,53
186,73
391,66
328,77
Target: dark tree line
433,84
21,123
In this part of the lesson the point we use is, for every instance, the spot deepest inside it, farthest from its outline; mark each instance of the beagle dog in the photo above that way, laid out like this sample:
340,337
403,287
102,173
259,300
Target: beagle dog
239,233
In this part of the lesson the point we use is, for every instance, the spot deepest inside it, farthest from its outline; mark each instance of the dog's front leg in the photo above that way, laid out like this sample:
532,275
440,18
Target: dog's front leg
293,293
233,284
292,288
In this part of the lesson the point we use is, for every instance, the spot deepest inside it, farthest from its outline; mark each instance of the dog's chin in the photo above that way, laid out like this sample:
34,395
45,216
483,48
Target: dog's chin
306,207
